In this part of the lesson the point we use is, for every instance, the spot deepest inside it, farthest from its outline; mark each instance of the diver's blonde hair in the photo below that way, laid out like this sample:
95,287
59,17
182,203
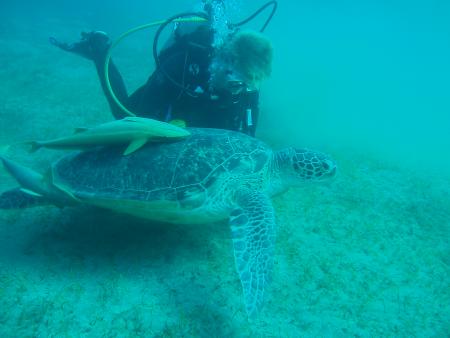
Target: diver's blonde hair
252,55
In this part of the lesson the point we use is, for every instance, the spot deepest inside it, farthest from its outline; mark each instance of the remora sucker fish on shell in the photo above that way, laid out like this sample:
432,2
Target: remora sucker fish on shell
135,131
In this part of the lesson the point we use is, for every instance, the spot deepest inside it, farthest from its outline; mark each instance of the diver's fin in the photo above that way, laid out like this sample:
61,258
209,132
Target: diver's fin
135,145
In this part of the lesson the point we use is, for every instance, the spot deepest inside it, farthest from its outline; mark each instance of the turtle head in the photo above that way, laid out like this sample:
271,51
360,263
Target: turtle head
304,165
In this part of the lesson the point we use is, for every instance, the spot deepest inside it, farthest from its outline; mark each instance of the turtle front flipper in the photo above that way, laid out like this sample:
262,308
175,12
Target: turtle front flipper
253,234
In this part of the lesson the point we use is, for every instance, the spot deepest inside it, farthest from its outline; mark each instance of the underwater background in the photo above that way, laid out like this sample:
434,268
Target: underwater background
366,256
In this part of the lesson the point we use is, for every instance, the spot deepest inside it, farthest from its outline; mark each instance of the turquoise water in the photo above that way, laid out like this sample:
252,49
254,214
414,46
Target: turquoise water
367,255
373,75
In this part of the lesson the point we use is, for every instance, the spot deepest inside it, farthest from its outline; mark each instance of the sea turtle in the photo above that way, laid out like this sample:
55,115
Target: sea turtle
210,176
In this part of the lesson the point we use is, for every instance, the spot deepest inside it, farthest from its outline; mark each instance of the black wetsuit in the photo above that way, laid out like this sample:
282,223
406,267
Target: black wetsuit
187,60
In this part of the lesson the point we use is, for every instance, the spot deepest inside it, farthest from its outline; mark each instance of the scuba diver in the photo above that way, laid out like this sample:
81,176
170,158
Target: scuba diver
199,80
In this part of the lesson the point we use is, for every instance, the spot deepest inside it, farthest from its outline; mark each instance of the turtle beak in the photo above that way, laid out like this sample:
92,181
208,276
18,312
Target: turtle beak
333,169
330,169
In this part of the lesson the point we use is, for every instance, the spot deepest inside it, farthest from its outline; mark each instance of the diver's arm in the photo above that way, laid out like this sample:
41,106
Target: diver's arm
94,46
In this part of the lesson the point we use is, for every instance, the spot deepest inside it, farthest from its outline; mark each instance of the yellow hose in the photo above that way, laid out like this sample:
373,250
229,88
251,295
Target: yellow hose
119,39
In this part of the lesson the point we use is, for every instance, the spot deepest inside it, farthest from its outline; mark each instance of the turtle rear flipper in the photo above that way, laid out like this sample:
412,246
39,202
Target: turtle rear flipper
19,199
253,234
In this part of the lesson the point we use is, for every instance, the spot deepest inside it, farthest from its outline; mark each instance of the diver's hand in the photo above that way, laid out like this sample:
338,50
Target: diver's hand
92,46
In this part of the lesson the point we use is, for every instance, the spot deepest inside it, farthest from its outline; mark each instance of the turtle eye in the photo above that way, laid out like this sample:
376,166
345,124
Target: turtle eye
326,166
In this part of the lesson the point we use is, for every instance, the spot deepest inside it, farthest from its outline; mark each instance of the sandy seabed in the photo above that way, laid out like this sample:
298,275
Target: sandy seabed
365,256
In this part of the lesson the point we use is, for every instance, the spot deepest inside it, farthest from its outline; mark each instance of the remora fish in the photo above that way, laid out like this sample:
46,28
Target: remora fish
135,131
37,185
